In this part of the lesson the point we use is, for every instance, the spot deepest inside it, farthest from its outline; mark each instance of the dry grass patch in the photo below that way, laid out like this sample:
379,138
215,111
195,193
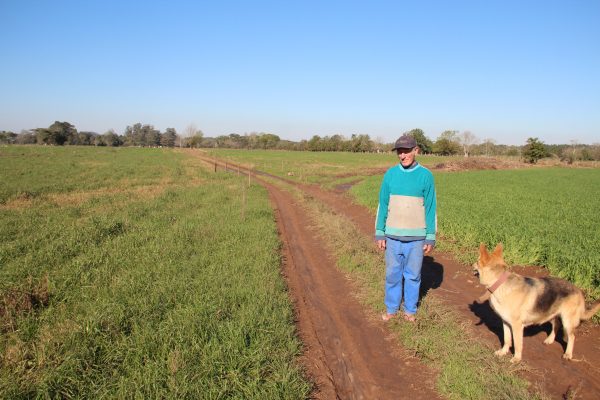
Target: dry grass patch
79,197
479,163
91,164
15,352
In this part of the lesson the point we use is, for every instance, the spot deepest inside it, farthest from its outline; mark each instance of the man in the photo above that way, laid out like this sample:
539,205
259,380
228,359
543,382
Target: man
405,227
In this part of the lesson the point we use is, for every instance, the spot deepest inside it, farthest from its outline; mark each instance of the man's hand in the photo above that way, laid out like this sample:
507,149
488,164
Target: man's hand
381,244
427,248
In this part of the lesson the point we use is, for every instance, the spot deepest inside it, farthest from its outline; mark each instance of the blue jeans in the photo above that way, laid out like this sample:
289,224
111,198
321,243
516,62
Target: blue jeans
403,261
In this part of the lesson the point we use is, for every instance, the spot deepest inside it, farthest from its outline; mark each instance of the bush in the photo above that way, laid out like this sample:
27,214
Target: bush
534,150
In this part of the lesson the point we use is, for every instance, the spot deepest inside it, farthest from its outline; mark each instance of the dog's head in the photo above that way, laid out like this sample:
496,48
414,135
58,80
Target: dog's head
487,260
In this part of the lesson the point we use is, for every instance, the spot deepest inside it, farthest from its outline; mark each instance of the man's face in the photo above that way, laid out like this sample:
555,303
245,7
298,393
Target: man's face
407,156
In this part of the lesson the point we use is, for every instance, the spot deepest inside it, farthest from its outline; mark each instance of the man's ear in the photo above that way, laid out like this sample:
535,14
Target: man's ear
417,150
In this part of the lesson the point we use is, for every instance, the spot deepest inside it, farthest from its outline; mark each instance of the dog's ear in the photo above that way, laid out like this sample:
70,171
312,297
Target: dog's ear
484,256
498,251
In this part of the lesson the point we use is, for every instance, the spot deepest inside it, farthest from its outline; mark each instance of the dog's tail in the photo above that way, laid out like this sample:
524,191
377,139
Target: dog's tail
591,310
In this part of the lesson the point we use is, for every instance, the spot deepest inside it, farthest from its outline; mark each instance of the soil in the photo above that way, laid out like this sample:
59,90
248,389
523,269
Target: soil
479,163
350,356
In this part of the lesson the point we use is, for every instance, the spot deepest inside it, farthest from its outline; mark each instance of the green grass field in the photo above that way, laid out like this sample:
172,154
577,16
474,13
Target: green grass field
543,216
160,282
138,273
29,173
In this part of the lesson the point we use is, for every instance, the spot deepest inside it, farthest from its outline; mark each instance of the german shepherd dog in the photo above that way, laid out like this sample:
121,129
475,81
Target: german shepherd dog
522,301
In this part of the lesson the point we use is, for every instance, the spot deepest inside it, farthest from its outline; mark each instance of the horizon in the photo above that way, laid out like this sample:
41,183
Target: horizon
343,137
502,70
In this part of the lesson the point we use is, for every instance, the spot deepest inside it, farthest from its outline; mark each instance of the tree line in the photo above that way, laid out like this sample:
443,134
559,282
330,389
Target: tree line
64,133
449,142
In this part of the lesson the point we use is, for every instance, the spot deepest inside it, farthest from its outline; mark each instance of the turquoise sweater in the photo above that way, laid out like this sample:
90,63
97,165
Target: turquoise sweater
407,205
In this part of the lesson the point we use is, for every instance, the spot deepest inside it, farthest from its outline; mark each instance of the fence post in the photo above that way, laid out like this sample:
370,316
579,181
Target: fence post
243,203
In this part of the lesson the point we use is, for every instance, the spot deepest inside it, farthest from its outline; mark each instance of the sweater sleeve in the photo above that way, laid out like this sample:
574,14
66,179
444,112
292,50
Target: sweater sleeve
430,210
382,209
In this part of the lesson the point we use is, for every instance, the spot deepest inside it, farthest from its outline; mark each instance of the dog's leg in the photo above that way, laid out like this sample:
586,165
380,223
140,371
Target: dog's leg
507,340
569,329
552,335
517,330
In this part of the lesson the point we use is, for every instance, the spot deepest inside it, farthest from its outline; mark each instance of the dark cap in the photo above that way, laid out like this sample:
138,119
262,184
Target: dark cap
405,142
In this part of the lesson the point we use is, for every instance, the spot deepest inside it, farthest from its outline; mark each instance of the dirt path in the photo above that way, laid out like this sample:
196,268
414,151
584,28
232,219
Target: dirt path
348,356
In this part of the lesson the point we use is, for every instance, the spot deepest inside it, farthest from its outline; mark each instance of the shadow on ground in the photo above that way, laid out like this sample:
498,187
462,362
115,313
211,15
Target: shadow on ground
488,317
432,276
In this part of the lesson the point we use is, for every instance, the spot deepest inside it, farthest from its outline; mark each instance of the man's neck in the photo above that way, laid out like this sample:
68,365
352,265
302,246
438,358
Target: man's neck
411,166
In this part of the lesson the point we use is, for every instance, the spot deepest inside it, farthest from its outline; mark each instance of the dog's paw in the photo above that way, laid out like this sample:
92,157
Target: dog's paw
515,360
567,356
501,352
549,340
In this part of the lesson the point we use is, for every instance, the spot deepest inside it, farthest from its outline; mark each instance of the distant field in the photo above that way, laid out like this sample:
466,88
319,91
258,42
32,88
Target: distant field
545,217
325,168
135,273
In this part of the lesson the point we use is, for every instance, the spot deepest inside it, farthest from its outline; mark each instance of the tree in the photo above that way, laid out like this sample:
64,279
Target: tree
360,143
61,132
26,137
85,138
467,139
268,140
7,137
489,145
110,138
56,134
141,135
573,151
314,144
133,135
424,143
447,144
168,138
150,136
236,141
99,141
195,141
534,150
378,144
251,140
189,132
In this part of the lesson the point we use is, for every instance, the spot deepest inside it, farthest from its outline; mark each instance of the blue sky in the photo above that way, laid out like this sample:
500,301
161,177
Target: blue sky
503,70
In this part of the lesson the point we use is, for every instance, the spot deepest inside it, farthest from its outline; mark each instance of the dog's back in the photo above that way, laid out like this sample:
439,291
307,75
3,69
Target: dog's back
538,300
